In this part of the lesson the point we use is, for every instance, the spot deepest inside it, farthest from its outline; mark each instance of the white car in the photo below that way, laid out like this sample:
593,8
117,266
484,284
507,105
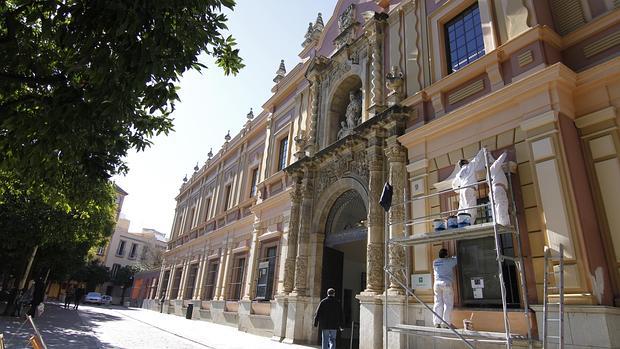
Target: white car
93,297
106,299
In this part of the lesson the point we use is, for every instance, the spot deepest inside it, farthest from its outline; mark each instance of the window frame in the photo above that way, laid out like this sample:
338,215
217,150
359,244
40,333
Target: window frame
282,153
208,287
120,250
237,277
478,37
271,289
253,182
133,251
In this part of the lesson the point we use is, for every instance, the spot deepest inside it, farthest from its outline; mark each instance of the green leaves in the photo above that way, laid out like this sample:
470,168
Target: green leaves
82,82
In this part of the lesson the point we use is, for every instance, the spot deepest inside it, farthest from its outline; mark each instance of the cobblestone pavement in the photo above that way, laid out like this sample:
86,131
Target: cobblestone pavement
115,327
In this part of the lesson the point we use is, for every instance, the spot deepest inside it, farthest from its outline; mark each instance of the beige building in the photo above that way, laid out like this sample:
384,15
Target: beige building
400,93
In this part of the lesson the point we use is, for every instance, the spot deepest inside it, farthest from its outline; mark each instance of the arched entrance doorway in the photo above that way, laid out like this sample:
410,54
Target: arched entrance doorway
344,257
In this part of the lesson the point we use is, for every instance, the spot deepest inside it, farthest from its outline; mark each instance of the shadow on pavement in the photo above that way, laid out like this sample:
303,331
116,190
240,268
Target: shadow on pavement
59,327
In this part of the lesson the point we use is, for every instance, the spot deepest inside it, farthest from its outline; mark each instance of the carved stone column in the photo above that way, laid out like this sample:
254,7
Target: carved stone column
200,276
301,265
396,156
375,34
223,289
293,233
374,264
162,271
315,90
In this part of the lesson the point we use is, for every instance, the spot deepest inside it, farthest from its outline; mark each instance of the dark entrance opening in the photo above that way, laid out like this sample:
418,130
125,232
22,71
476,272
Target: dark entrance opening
344,260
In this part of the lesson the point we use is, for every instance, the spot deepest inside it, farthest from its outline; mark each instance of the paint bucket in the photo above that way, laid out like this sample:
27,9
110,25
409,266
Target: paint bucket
439,224
464,219
452,222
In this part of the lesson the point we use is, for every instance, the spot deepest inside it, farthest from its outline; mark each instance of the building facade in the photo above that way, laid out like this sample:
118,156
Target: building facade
400,91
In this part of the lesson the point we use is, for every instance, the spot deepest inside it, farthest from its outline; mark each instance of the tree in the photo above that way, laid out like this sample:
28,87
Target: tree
92,274
124,279
84,81
62,237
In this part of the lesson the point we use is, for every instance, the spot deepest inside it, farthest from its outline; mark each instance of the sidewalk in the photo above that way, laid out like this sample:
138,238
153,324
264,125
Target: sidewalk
59,327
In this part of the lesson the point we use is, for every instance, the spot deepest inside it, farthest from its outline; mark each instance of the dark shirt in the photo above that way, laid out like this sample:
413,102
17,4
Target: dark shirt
329,314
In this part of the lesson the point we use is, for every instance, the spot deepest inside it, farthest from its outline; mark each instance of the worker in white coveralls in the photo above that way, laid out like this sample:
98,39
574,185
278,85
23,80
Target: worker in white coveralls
500,185
467,176
443,268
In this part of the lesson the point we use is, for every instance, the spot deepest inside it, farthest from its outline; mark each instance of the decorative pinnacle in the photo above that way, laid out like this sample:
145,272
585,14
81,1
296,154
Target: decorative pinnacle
250,115
308,35
280,72
318,25
196,168
227,137
210,153
185,179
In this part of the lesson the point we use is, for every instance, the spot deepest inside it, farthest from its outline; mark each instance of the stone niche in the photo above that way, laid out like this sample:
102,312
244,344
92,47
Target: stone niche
337,124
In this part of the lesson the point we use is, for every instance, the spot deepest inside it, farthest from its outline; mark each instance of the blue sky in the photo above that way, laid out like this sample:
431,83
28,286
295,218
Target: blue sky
211,104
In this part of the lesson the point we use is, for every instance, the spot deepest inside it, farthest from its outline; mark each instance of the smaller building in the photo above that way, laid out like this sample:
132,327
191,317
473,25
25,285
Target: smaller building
143,250
144,287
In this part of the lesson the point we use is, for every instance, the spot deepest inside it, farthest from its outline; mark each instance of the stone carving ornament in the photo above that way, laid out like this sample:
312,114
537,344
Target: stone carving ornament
347,18
353,114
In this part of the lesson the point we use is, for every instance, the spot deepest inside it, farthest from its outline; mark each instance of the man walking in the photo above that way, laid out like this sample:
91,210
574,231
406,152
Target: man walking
443,268
77,297
328,317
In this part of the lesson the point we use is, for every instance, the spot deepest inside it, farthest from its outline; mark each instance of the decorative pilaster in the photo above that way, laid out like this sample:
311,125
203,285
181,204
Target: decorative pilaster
250,282
181,291
374,264
396,156
315,89
200,276
226,272
375,35
301,264
293,232
162,271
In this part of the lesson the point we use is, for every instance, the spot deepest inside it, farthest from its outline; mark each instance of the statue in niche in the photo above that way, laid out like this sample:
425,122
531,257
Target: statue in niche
353,114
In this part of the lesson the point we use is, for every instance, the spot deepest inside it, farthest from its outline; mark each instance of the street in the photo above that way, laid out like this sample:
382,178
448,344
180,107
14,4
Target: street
117,327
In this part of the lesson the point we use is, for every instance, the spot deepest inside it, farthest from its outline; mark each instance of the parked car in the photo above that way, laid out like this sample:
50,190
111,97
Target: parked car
105,299
93,297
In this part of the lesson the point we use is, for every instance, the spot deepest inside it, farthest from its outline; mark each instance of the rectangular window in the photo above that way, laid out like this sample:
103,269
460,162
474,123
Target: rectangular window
121,248
463,36
207,209
190,220
266,272
176,283
282,151
210,280
164,284
115,268
254,182
133,252
191,281
236,281
227,197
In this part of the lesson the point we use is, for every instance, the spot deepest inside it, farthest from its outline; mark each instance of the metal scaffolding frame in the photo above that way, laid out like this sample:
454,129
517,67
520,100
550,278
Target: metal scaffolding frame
465,233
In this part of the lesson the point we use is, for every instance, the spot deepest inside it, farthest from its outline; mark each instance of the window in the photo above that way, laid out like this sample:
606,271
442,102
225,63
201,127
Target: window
164,284
134,251
121,248
254,182
283,149
208,209
176,283
227,197
115,268
191,281
464,42
209,286
236,281
190,220
266,271
153,288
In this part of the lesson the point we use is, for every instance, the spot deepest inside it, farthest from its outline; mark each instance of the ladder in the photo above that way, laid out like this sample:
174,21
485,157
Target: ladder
559,288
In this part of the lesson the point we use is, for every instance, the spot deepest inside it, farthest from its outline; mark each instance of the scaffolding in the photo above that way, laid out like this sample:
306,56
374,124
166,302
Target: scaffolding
473,231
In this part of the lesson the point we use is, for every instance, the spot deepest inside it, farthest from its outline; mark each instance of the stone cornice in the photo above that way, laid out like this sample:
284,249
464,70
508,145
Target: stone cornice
476,110
361,131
